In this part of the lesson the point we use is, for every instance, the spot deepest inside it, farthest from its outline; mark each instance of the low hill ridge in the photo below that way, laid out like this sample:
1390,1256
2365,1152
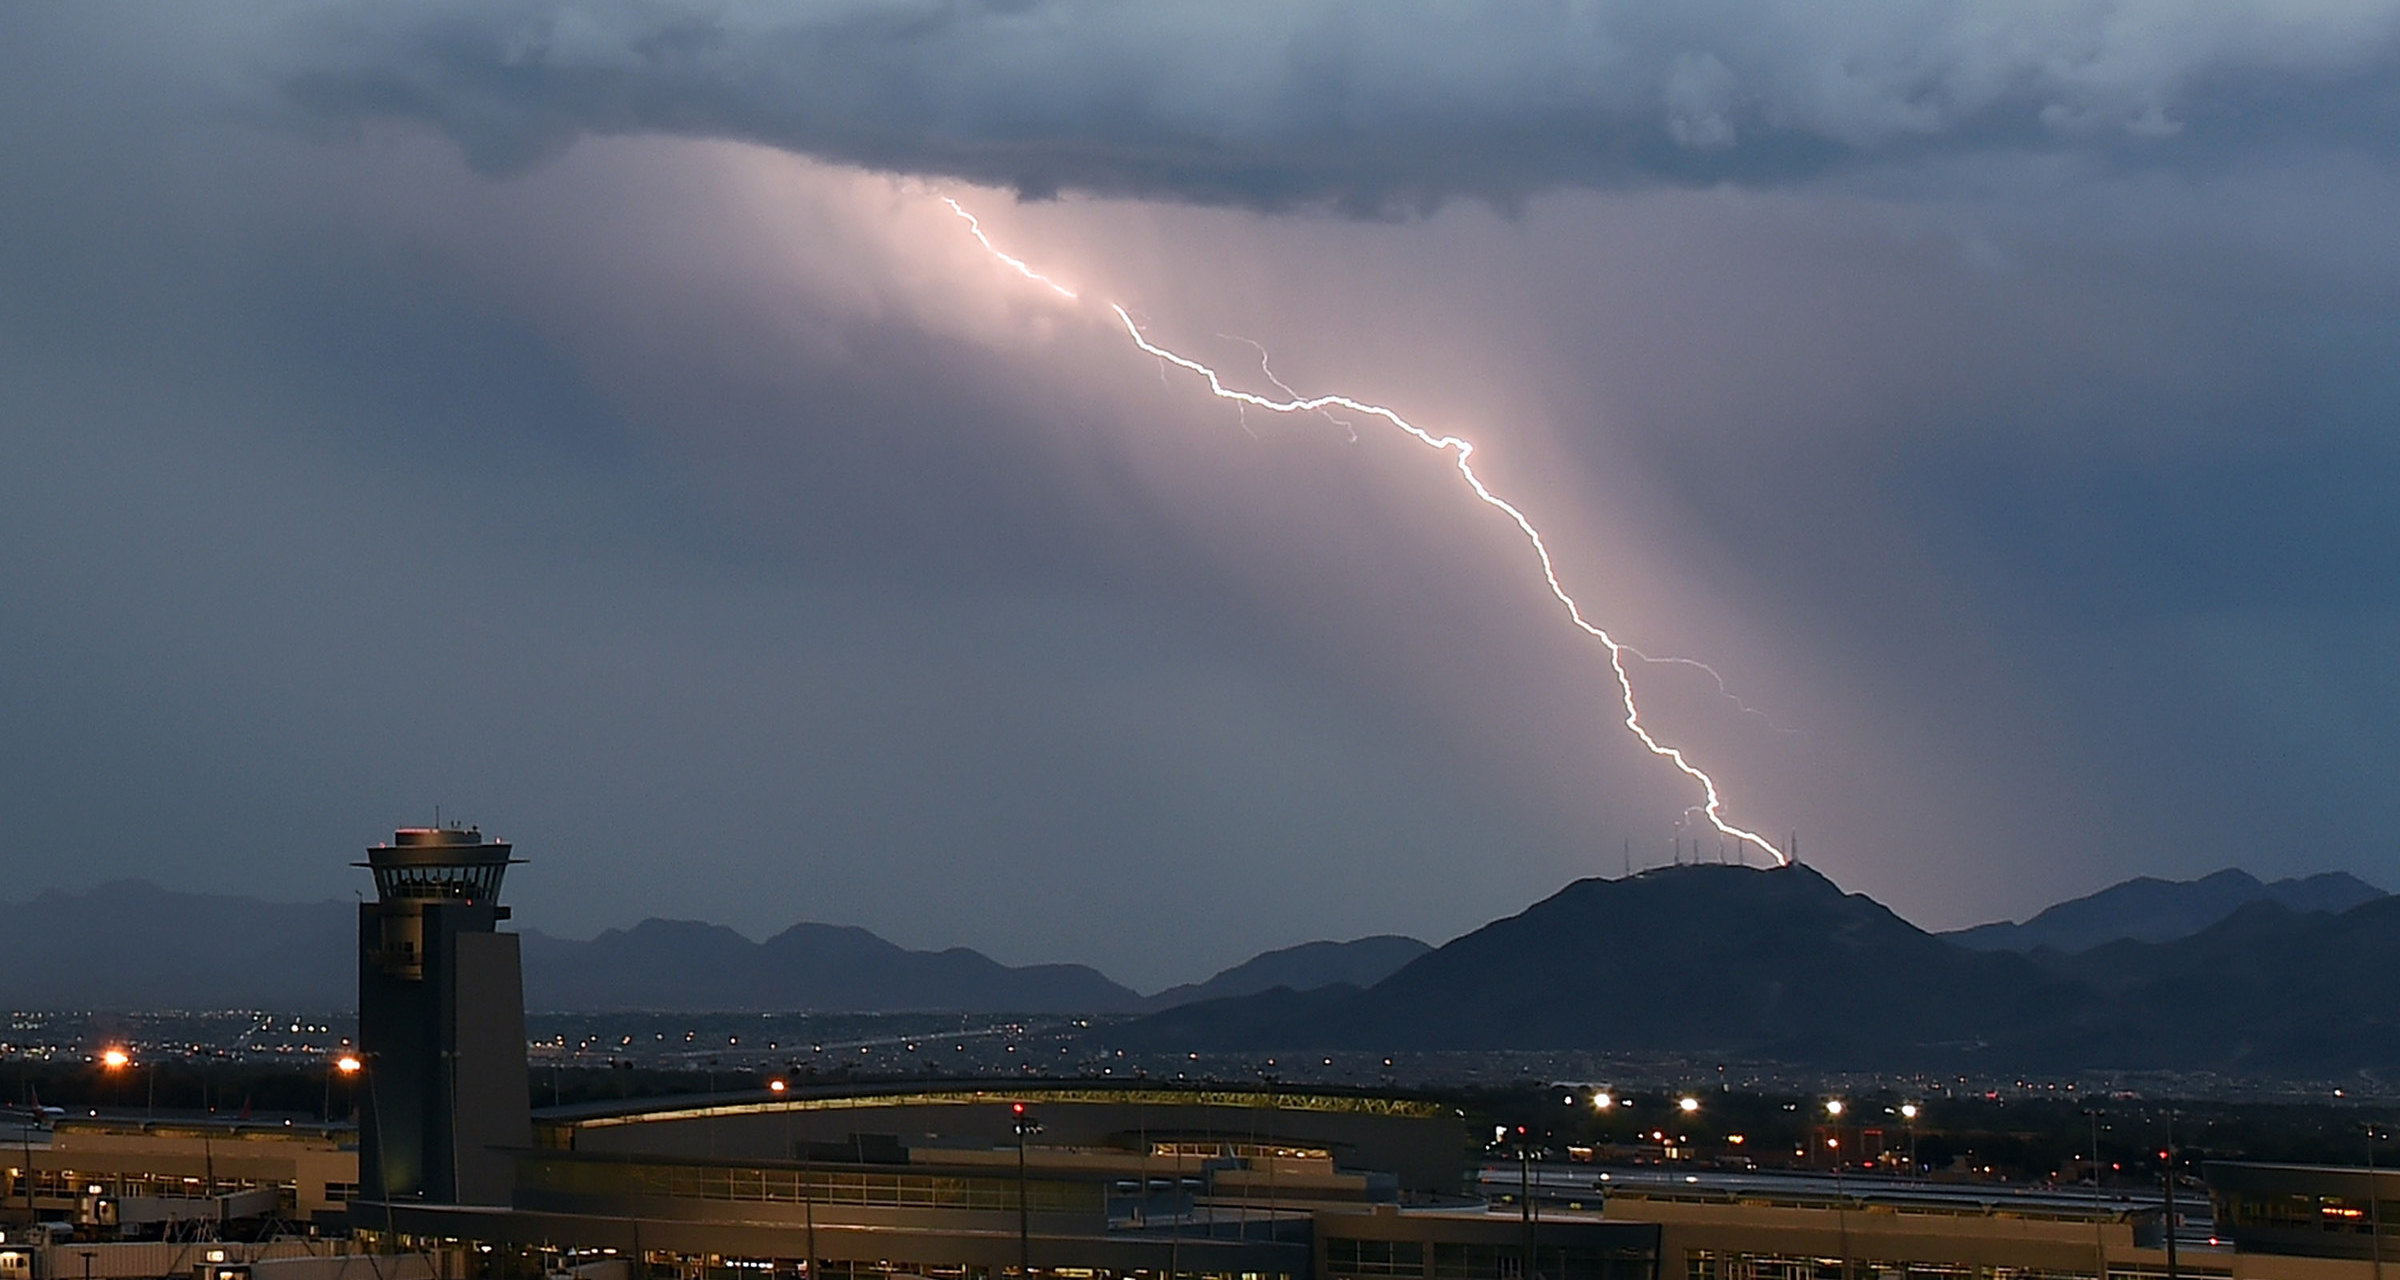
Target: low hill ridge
674,964
2148,909
1360,962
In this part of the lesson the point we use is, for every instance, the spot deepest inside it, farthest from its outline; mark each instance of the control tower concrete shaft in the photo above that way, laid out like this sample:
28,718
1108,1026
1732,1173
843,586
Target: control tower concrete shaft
441,1017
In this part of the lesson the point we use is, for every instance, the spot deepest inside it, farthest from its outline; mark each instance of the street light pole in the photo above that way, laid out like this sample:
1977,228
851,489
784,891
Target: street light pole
2172,1272
1525,1255
808,1205
1841,1199
1833,1112
2374,1207
2093,1114
1025,1124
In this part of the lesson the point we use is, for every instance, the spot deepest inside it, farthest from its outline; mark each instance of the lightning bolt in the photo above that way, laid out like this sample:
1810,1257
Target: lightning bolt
975,229
1461,451
1724,690
1280,385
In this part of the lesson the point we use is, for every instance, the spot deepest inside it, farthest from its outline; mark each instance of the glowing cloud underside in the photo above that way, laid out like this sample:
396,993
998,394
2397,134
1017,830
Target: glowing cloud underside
1461,450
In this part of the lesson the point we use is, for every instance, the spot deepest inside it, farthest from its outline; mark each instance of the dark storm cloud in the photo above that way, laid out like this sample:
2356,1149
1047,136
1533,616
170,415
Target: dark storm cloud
1366,106
721,525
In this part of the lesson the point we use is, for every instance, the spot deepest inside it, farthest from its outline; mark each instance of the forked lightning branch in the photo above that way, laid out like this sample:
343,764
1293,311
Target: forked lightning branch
1461,451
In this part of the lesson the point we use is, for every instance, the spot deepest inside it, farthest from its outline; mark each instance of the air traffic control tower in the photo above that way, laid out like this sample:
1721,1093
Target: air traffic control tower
441,1017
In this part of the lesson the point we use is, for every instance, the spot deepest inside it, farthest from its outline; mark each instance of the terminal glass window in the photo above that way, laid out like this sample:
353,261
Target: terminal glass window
1475,1262
1704,1265
2341,1214
1916,1271
801,1186
1550,1262
1589,1264
1375,1257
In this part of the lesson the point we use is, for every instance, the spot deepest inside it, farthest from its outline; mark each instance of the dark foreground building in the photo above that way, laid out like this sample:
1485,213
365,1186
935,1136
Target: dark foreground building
2314,1211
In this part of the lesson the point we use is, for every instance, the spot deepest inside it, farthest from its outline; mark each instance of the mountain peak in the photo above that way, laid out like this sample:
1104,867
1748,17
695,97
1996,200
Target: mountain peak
1689,959
2150,909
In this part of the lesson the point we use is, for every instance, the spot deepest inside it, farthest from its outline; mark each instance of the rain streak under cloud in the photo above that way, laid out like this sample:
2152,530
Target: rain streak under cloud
587,418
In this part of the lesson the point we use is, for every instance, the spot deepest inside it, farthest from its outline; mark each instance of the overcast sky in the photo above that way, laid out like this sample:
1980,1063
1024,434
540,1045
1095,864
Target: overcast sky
589,420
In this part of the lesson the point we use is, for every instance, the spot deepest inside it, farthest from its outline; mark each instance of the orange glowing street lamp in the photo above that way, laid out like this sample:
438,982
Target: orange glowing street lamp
349,1064
116,1058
